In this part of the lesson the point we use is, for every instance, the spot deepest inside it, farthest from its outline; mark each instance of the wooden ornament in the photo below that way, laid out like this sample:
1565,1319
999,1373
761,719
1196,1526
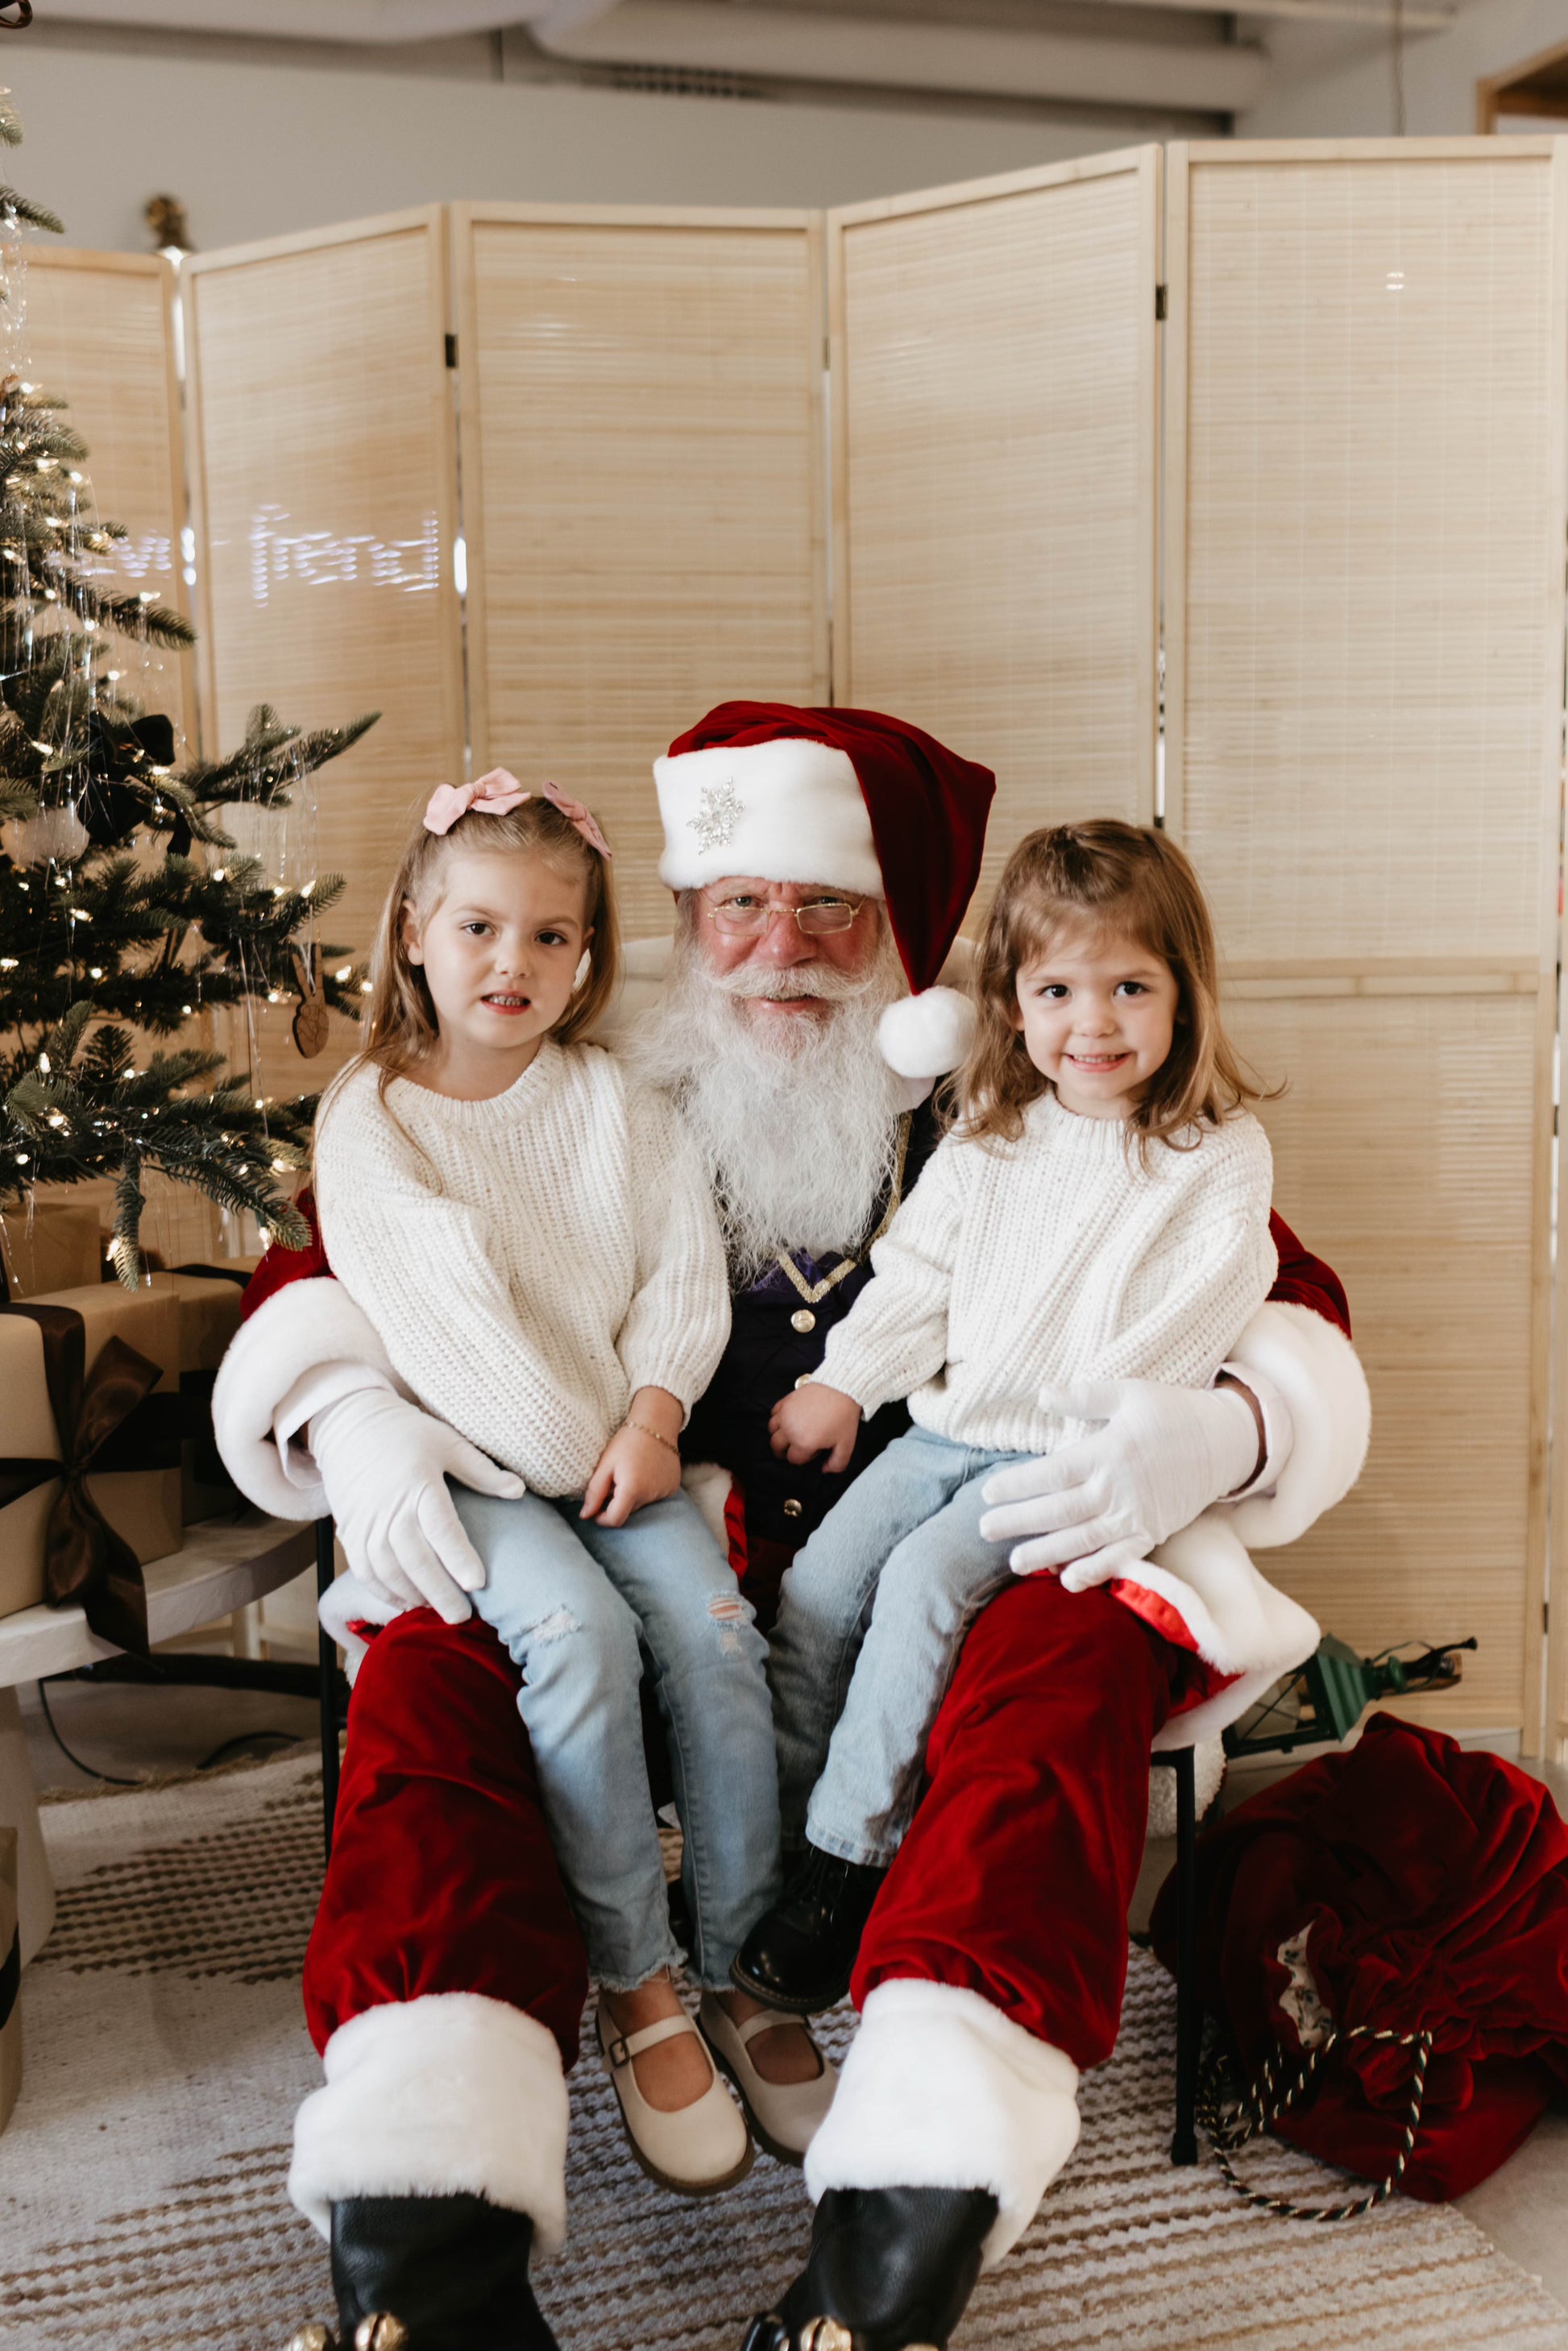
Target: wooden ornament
312,1020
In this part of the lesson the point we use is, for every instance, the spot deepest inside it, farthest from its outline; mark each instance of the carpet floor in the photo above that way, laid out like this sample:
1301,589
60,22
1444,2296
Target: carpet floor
142,2175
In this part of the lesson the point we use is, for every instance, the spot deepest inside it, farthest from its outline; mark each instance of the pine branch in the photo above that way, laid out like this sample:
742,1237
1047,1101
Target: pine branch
29,209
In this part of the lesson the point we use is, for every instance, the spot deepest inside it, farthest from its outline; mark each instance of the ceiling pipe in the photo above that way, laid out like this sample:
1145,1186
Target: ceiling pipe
977,59
372,22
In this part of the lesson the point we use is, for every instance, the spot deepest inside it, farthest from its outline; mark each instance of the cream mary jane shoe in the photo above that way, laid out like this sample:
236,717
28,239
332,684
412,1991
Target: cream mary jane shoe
697,2149
785,2117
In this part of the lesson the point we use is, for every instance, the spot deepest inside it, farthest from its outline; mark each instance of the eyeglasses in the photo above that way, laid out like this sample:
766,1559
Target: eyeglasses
745,917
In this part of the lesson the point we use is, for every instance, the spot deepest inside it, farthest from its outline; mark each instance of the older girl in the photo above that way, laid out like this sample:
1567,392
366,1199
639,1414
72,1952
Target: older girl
538,1253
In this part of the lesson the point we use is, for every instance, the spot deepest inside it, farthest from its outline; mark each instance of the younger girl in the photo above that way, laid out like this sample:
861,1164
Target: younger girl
1100,1211
538,1253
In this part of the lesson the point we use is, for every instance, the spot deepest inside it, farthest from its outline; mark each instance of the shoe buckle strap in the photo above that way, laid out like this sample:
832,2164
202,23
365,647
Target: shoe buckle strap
627,2045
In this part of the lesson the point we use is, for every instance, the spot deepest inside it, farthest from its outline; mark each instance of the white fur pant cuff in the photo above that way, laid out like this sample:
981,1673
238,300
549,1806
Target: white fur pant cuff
941,2090
455,2093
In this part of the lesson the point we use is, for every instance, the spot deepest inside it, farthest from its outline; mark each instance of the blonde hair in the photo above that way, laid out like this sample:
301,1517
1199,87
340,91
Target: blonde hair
1111,877
400,1022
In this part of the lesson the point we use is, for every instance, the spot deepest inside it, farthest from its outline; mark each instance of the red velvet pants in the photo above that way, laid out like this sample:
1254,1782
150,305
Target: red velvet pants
442,1876
1014,1881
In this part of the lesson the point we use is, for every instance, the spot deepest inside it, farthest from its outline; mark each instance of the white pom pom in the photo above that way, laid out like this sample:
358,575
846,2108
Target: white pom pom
927,1035
55,835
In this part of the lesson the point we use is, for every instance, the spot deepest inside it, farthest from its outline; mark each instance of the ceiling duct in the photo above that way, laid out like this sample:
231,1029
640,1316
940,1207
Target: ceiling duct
878,52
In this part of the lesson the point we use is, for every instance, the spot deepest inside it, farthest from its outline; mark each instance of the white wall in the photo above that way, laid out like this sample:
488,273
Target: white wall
258,151
1441,70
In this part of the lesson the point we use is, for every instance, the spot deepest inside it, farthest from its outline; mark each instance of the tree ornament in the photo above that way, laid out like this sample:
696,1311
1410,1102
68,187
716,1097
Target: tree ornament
311,1023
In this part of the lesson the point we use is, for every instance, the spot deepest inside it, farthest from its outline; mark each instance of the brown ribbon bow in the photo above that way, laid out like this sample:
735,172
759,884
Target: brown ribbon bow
85,1563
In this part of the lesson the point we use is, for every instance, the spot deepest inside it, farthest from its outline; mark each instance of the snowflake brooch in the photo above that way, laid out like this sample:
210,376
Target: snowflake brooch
720,812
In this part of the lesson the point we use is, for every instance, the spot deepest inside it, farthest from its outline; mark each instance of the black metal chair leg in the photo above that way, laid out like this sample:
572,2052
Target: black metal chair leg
1189,2011
326,1650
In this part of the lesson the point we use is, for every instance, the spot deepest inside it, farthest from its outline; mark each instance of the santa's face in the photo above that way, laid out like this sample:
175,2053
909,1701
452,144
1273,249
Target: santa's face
769,1042
782,969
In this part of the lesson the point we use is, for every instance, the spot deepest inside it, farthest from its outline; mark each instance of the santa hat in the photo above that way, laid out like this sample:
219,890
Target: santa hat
866,803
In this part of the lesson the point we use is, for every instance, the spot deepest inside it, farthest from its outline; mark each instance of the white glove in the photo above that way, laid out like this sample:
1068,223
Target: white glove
384,1464
1160,1456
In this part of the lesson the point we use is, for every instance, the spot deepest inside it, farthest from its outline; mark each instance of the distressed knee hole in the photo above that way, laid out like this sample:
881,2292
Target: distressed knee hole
729,1611
554,1628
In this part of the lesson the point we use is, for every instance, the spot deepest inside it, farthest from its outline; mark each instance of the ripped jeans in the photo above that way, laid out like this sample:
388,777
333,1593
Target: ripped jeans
577,1604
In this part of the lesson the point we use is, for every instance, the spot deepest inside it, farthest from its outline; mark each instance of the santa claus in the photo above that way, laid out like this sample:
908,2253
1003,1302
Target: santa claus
821,862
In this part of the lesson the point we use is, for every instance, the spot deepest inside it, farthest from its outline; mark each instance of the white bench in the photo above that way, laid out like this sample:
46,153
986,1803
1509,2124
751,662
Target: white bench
224,1566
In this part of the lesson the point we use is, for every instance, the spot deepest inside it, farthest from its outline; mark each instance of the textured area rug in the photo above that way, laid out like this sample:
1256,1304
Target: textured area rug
142,2177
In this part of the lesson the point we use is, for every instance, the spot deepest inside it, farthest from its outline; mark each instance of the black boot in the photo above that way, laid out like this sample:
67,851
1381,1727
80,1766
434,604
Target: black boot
431,2274
800,1954
890,2268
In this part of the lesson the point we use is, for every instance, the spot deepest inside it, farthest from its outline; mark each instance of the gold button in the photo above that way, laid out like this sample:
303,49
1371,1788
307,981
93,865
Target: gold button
792,1508
803,1321
805,1379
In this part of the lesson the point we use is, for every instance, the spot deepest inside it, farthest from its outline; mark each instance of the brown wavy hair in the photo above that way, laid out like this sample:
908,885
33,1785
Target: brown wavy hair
401,1026
1108,877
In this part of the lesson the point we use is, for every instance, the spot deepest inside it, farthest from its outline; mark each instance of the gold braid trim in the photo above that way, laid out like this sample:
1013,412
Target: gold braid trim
813,1292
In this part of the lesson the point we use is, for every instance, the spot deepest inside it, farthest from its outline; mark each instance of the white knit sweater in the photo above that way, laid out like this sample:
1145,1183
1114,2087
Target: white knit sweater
528,1262
1058,1257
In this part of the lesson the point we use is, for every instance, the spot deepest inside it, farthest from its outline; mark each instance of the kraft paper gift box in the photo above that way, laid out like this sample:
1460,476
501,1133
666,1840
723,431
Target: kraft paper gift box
55,1245
90,1377
207,1298
10,1979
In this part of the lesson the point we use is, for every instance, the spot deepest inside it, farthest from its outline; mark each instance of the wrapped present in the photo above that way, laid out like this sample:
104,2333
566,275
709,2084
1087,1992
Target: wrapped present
89,1481
207,1300
51,1245
10,1979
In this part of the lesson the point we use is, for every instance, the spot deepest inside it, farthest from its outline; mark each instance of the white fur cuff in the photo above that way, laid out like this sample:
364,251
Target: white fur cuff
448,2095
941,2090
302,1326
1316,1373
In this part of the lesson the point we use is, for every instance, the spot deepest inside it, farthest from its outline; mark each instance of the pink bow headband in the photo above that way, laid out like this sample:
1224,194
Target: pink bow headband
498,794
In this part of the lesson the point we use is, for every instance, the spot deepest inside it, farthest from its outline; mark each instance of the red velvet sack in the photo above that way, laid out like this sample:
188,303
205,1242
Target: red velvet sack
1431,1885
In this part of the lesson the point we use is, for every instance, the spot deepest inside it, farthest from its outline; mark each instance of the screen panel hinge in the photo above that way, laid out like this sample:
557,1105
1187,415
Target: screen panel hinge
1159,301
451,351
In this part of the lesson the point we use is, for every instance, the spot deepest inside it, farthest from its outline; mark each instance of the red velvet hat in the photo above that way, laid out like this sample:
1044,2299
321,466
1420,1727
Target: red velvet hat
847,796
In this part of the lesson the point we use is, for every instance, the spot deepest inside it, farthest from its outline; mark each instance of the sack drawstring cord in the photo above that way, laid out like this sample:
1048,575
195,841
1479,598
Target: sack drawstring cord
1264,2101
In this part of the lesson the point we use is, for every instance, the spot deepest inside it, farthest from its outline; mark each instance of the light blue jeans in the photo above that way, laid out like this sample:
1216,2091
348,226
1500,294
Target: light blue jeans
871,1619
577,1604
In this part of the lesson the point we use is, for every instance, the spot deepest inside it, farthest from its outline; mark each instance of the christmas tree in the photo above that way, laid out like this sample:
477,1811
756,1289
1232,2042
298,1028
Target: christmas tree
126,907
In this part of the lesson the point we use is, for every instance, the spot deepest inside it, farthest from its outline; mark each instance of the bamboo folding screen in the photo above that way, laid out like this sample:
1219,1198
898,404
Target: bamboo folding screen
642,490
995,526
100,334
1363,374
323,476
1366,408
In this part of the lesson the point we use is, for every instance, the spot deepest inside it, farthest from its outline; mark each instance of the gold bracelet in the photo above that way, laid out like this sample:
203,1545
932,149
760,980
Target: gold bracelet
643,1430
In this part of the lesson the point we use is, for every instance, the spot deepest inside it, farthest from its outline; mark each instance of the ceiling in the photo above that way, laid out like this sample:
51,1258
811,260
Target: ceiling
1173,58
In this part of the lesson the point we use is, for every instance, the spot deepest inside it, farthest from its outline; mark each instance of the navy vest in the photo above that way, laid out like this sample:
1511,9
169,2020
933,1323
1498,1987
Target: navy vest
778,1328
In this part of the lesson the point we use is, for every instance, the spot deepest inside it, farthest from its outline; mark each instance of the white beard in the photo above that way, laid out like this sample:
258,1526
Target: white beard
797,1121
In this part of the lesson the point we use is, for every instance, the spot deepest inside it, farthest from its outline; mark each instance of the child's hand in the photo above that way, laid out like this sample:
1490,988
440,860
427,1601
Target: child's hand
640,1464
815,1420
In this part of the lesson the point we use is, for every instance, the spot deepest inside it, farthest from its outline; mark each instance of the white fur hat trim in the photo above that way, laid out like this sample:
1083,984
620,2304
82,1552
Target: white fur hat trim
790,811
925,1035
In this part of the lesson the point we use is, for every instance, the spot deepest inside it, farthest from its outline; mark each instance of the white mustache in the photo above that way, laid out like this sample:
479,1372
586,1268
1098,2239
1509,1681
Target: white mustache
819,979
